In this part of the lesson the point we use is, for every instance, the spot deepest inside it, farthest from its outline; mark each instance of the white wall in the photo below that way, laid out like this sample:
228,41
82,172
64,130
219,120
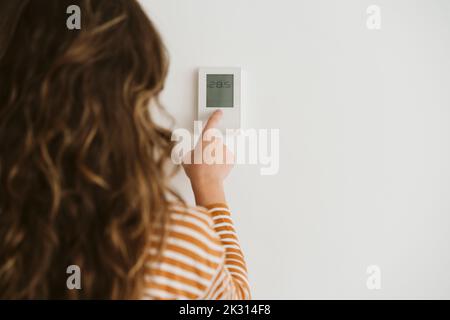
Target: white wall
365,138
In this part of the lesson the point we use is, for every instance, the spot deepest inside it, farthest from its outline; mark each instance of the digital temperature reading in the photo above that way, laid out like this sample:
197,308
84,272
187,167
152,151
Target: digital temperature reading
219,92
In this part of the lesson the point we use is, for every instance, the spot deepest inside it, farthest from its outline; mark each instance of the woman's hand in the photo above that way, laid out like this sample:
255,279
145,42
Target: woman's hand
207,176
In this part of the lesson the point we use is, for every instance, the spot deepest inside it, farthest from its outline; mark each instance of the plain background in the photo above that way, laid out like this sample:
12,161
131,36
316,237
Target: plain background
364,119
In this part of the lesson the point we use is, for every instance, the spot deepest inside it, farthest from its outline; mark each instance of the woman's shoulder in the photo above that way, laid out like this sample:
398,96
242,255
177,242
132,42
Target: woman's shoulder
183,212
190,257
194,225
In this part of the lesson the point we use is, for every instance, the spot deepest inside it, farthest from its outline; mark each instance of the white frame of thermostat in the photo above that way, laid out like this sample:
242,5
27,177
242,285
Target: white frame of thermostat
232,117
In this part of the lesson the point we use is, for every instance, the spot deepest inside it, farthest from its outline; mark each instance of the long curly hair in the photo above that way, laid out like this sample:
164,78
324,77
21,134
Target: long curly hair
82,162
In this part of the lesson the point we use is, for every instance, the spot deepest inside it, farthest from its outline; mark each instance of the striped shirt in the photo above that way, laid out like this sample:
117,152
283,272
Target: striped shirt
201,258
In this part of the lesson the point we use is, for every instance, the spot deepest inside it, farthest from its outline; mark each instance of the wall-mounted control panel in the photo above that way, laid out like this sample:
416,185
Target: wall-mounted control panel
220,88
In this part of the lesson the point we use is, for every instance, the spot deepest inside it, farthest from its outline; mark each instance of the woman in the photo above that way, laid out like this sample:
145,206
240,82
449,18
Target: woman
83,165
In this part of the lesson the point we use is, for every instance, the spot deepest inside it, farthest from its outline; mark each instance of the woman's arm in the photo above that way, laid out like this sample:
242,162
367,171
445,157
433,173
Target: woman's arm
231,282
207,178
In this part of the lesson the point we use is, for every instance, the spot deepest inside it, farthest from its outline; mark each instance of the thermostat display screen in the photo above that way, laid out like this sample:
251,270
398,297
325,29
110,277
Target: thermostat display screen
219,90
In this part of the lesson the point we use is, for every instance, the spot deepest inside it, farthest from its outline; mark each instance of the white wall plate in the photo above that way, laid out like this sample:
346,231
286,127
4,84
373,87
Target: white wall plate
220,88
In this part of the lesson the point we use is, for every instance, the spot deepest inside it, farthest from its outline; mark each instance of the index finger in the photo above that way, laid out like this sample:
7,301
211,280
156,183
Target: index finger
213,120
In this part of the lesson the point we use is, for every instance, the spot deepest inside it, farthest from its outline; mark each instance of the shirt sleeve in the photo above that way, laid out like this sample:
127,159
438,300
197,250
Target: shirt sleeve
201,258
231,282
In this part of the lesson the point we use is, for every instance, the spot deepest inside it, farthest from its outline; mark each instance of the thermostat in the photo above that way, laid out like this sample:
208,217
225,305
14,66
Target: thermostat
220,88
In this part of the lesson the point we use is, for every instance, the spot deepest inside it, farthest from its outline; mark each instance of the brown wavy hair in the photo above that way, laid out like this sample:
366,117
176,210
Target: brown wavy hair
82,161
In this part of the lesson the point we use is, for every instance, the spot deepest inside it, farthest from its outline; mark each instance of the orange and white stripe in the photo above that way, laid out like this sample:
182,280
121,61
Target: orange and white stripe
201,258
